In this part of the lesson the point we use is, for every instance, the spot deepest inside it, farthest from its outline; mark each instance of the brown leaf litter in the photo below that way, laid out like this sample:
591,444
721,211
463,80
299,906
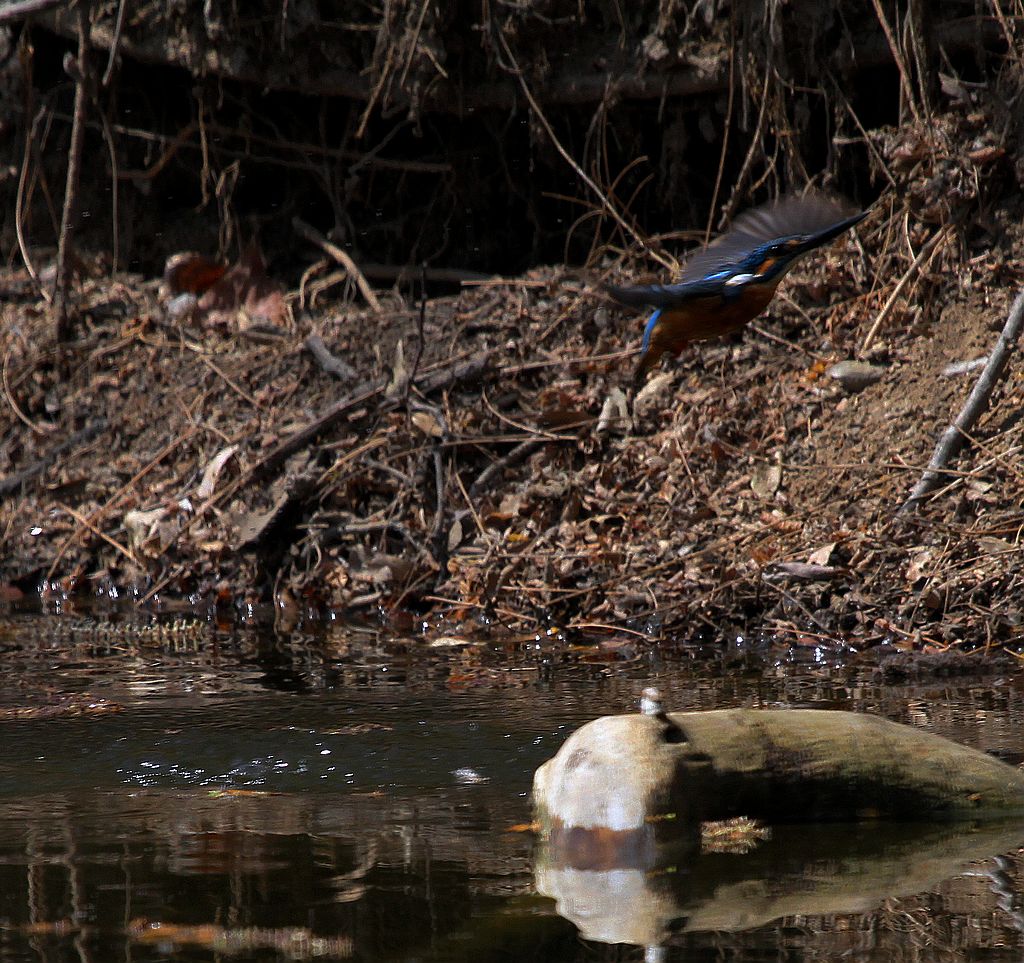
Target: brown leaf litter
480,458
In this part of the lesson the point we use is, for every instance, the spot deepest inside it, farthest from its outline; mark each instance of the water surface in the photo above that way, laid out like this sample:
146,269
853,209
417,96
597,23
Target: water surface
351,797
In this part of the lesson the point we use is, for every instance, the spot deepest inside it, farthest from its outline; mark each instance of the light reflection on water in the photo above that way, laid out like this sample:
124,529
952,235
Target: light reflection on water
256,799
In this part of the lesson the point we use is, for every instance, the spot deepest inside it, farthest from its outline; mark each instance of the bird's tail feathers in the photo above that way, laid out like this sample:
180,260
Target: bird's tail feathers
642,296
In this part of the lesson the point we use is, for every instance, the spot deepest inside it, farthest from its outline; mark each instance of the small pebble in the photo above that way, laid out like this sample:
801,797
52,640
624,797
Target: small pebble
181,306
855,376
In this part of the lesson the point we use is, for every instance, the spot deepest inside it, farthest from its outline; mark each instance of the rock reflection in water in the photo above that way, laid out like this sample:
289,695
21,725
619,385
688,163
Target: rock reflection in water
436,876
802,871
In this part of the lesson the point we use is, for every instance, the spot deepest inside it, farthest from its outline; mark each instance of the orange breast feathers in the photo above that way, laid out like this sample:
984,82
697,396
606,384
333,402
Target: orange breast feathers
711,317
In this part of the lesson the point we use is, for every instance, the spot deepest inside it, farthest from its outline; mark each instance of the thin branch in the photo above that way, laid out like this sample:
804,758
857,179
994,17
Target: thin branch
756,147
955,436
21,204
438,538
493,471
331,363
115,43
447,377
922,256
115,500
728,124
897,56
312,235
39,429
12,483
574,84
80,71
606,203
99,533
420,335
1008,33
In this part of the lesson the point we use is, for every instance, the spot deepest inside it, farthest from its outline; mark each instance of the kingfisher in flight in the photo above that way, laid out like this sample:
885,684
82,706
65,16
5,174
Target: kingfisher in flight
733,279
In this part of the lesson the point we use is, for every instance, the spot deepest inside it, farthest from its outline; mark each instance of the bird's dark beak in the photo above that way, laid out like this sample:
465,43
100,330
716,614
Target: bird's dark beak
812,241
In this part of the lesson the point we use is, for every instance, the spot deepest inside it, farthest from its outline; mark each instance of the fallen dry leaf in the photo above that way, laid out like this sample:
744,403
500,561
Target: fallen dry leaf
765,480
244,296
822,555
212,472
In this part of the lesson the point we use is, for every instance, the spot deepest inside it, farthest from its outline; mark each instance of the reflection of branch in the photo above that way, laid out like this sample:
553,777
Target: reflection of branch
955,436
294,941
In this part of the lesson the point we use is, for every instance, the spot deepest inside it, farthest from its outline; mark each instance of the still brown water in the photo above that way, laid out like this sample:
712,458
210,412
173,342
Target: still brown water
348,797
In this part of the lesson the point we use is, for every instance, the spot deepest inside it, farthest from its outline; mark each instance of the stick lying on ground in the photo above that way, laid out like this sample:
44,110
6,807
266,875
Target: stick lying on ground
331,363
955,436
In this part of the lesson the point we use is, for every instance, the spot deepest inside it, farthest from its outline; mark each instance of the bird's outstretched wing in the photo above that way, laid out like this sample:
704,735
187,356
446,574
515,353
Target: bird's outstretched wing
805,216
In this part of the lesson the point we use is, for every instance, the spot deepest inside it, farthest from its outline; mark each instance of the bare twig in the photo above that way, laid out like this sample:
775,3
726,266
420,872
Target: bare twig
237,388
756,146
955,436
39,429
111,503
467,370
414,42
493,471
1008,33
80,70
340,410
438,538
918,37
922,256
312,235
866,139
331,363
99,533
21,203
173,145
606,203
420,335
115,42
337,532
400,272
790,345
897,56
115,217
728,124
575,83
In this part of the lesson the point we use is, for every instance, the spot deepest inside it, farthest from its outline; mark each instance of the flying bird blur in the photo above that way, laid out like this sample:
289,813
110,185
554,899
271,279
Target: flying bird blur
734,278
